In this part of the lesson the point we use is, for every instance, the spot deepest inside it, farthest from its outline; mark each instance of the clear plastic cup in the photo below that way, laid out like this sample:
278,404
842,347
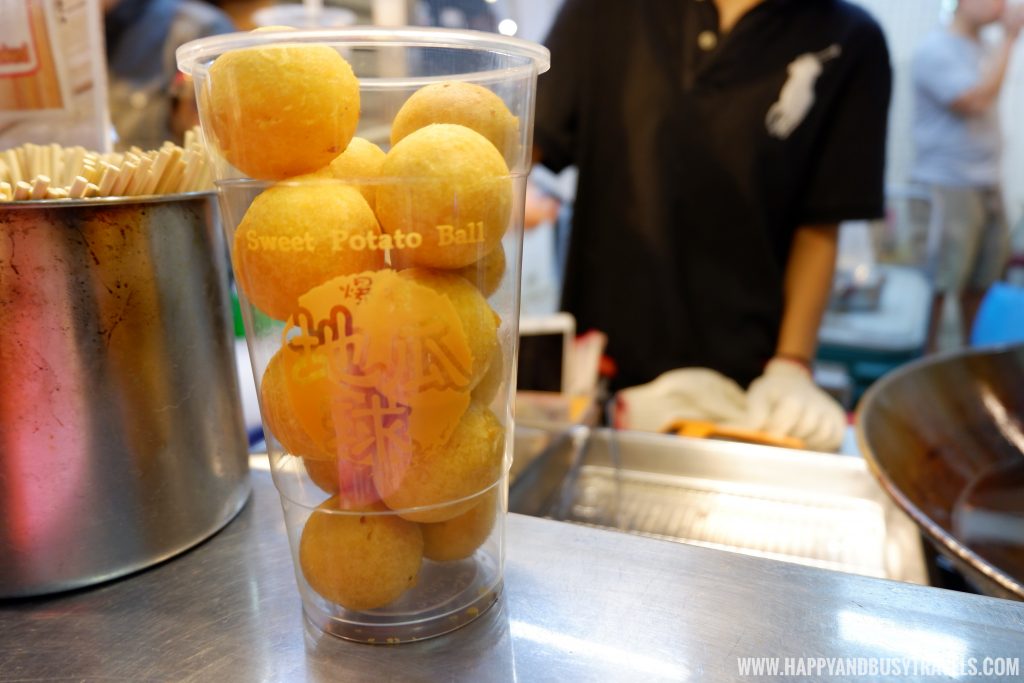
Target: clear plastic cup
380,294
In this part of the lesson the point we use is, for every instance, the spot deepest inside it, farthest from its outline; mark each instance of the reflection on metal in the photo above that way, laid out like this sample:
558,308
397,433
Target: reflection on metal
812,509
939,651
121,437
571,646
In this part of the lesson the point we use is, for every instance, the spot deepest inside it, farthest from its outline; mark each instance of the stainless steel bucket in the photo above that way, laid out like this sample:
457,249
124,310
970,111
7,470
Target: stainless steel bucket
121,435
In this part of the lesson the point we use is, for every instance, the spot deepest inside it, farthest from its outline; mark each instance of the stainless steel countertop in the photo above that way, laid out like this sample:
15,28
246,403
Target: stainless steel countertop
580,604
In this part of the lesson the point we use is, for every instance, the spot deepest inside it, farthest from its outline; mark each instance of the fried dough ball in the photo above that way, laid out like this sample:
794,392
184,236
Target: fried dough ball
323,473
458,537
469,462
448,186
485,391
351,483
294,237
279,111
279,413
466,104
397,350
361,160
360,562
486,273
479,322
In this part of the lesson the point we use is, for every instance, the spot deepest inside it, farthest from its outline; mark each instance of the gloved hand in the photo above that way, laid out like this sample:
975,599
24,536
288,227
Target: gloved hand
785,401
685,393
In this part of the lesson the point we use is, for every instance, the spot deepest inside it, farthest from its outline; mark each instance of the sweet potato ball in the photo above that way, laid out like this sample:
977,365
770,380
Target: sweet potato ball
468,463
486,273
360,562
360,161
296,236
282,417
479,322
488,386
278,111
447,190
397,356
466,104
458,537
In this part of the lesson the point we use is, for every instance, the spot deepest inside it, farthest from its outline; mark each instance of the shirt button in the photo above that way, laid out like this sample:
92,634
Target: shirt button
707,40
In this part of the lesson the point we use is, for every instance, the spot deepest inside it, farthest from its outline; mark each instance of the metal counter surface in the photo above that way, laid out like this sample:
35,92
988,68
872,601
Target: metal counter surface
580,604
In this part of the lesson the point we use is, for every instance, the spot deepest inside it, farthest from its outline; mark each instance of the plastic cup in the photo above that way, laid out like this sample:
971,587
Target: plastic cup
381,302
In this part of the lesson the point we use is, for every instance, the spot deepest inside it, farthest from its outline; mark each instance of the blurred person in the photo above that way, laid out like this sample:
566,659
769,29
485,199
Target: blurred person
472,14
149,102
719,144
958,144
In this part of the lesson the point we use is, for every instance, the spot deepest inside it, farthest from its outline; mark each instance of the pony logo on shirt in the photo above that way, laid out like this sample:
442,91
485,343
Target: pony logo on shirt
797,95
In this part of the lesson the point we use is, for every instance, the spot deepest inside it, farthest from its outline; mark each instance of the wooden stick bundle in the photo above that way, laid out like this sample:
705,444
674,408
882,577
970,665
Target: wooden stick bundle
54,172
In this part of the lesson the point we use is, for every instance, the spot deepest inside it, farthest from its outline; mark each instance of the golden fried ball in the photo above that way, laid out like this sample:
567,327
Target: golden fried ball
361,160
359,561
295,237
479,322
469,462
278,111
323,473
466,104
486,273
281,417
399,363
485,391
350,483
448,189
458,537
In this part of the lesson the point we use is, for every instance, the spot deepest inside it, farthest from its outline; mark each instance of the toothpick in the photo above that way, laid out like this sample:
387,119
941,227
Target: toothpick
22,190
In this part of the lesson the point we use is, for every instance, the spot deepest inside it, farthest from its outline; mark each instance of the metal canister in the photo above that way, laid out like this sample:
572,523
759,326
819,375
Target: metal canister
121,435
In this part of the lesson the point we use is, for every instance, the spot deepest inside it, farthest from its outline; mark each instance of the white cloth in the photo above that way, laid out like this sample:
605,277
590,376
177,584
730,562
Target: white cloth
681,394
785,401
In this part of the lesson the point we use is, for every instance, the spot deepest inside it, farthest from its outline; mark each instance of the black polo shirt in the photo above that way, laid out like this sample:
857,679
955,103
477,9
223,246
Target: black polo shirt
696,166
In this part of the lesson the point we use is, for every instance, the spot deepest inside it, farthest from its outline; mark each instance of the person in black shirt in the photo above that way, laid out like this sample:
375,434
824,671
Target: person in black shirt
719,143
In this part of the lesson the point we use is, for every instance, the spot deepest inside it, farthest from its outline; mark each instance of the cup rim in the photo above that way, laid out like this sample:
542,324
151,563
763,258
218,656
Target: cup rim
192,56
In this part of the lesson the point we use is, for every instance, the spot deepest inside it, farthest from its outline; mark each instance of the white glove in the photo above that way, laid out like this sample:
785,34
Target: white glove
683,394
785,401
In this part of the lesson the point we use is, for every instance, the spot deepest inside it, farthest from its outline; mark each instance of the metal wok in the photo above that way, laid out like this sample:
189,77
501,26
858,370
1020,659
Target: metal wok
945,437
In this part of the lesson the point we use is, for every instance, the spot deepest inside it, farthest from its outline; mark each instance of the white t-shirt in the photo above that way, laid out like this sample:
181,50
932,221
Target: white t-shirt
952,149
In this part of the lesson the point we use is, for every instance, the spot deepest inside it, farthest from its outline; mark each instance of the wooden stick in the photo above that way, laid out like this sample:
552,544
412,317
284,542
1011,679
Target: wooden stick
106,184
139,177
6,192
78,187
163,183
124,177
157,171
56,162
40,186
22,190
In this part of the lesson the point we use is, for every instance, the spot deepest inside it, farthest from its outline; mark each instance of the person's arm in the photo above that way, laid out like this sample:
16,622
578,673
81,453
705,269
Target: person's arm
979,99
784,400
808,283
